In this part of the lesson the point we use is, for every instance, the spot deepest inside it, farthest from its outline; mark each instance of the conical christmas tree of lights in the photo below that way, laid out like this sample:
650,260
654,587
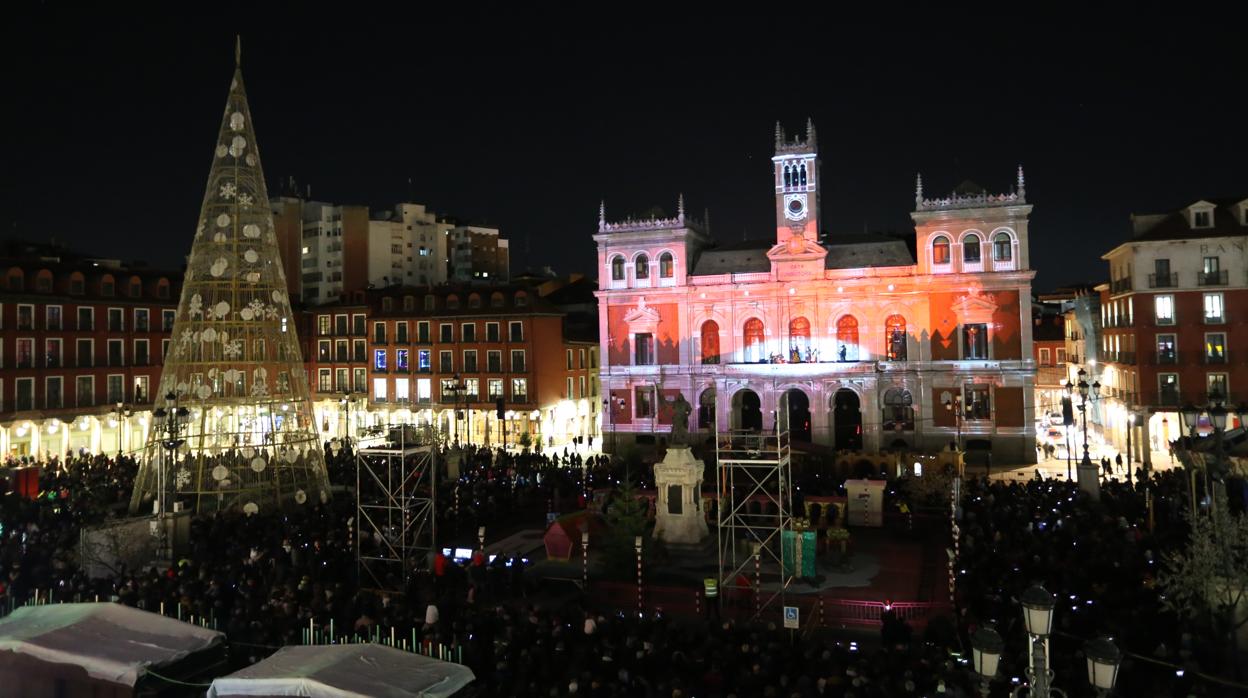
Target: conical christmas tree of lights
238,431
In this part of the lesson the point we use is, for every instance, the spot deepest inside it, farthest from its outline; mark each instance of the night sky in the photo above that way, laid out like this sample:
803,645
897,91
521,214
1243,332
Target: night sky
527,121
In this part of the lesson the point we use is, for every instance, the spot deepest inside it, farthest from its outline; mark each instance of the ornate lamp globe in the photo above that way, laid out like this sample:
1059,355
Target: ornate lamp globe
1190,414
986,647
1037,605
1217,415
1104,657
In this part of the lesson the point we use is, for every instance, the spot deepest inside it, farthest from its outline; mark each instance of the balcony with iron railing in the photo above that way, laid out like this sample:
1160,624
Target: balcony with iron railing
1122,285
1165,358
1120,357
1170,280
1218,358
1211,278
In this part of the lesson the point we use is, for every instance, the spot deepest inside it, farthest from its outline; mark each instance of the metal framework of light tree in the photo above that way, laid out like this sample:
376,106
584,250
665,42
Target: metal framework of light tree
249,438
755,509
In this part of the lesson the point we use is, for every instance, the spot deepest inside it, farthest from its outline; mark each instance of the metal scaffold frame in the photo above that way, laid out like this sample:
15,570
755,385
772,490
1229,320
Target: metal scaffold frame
755,466
396,504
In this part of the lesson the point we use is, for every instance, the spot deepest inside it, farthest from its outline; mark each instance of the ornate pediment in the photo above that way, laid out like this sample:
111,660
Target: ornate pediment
975,306
797,248
642,313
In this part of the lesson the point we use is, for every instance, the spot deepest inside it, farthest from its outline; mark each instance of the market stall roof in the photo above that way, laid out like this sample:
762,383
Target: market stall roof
111,642
345,671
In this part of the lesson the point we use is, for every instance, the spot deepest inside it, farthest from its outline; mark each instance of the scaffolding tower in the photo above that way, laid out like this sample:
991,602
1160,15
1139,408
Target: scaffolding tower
396,499
755,509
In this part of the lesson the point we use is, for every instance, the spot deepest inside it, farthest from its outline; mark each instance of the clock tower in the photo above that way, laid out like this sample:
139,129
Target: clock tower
797,187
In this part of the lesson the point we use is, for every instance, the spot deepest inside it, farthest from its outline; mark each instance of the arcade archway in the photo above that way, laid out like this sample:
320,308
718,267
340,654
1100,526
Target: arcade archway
799,415
747,410
847,420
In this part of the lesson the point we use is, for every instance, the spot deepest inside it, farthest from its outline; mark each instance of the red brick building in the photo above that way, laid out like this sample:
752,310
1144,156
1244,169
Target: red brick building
420,354
78,337
1174,325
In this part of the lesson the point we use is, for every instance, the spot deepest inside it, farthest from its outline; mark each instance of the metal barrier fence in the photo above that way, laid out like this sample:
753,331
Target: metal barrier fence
817,610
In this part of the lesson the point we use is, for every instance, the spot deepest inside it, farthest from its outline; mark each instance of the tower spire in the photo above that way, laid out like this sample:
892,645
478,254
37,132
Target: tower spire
1022,190
680,207
602,215
810,132
918,189
779,135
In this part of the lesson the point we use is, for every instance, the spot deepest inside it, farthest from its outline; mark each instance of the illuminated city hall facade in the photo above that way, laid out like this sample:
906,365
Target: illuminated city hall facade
869,342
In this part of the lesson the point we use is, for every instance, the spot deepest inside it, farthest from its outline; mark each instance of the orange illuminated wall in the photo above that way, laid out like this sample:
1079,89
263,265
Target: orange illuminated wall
1007,339
666,341
944,326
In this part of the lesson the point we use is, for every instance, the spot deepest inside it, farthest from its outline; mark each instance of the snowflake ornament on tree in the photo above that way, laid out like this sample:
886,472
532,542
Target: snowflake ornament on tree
228,190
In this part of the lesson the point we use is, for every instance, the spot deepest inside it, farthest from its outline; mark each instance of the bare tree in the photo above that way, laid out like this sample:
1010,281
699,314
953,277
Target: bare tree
1207,581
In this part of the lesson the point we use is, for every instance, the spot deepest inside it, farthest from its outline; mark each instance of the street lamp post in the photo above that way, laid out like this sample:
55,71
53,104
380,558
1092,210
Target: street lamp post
986,646
609,404
170,422
1130,458
122,415
1217,413
457,390
1087,393
953,403
347,401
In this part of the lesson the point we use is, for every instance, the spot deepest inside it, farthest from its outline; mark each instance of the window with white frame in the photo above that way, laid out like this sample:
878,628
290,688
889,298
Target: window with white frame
1216,386
379,389
495,386
1215,347
1213,308
517,361
1163,309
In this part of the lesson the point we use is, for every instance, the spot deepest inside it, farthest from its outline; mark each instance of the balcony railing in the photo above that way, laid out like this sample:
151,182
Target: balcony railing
1219,358
1211,278
1122,285
1166,358
1121,357
1170,280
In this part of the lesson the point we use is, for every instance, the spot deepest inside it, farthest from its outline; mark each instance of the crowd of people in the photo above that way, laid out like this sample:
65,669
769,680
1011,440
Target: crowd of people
1100,558
262,579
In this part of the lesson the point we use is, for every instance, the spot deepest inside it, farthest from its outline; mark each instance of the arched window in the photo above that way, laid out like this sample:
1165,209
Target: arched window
706,409
847,338
522,299
17,280
136,287
643,266
107,285
496,298
895,338
803,174
43,281
788,177
78,285
970,249
452,302
474,301
429,302
898,410
710,342
162,288
665,265
1002,248
617,268
940,250
799,340
754,341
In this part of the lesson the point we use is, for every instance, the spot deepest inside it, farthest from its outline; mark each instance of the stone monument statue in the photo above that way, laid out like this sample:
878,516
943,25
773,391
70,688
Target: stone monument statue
680,421
680,517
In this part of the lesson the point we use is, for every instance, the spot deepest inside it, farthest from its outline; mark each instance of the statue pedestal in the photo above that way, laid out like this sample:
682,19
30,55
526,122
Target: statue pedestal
680,518
1088,476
